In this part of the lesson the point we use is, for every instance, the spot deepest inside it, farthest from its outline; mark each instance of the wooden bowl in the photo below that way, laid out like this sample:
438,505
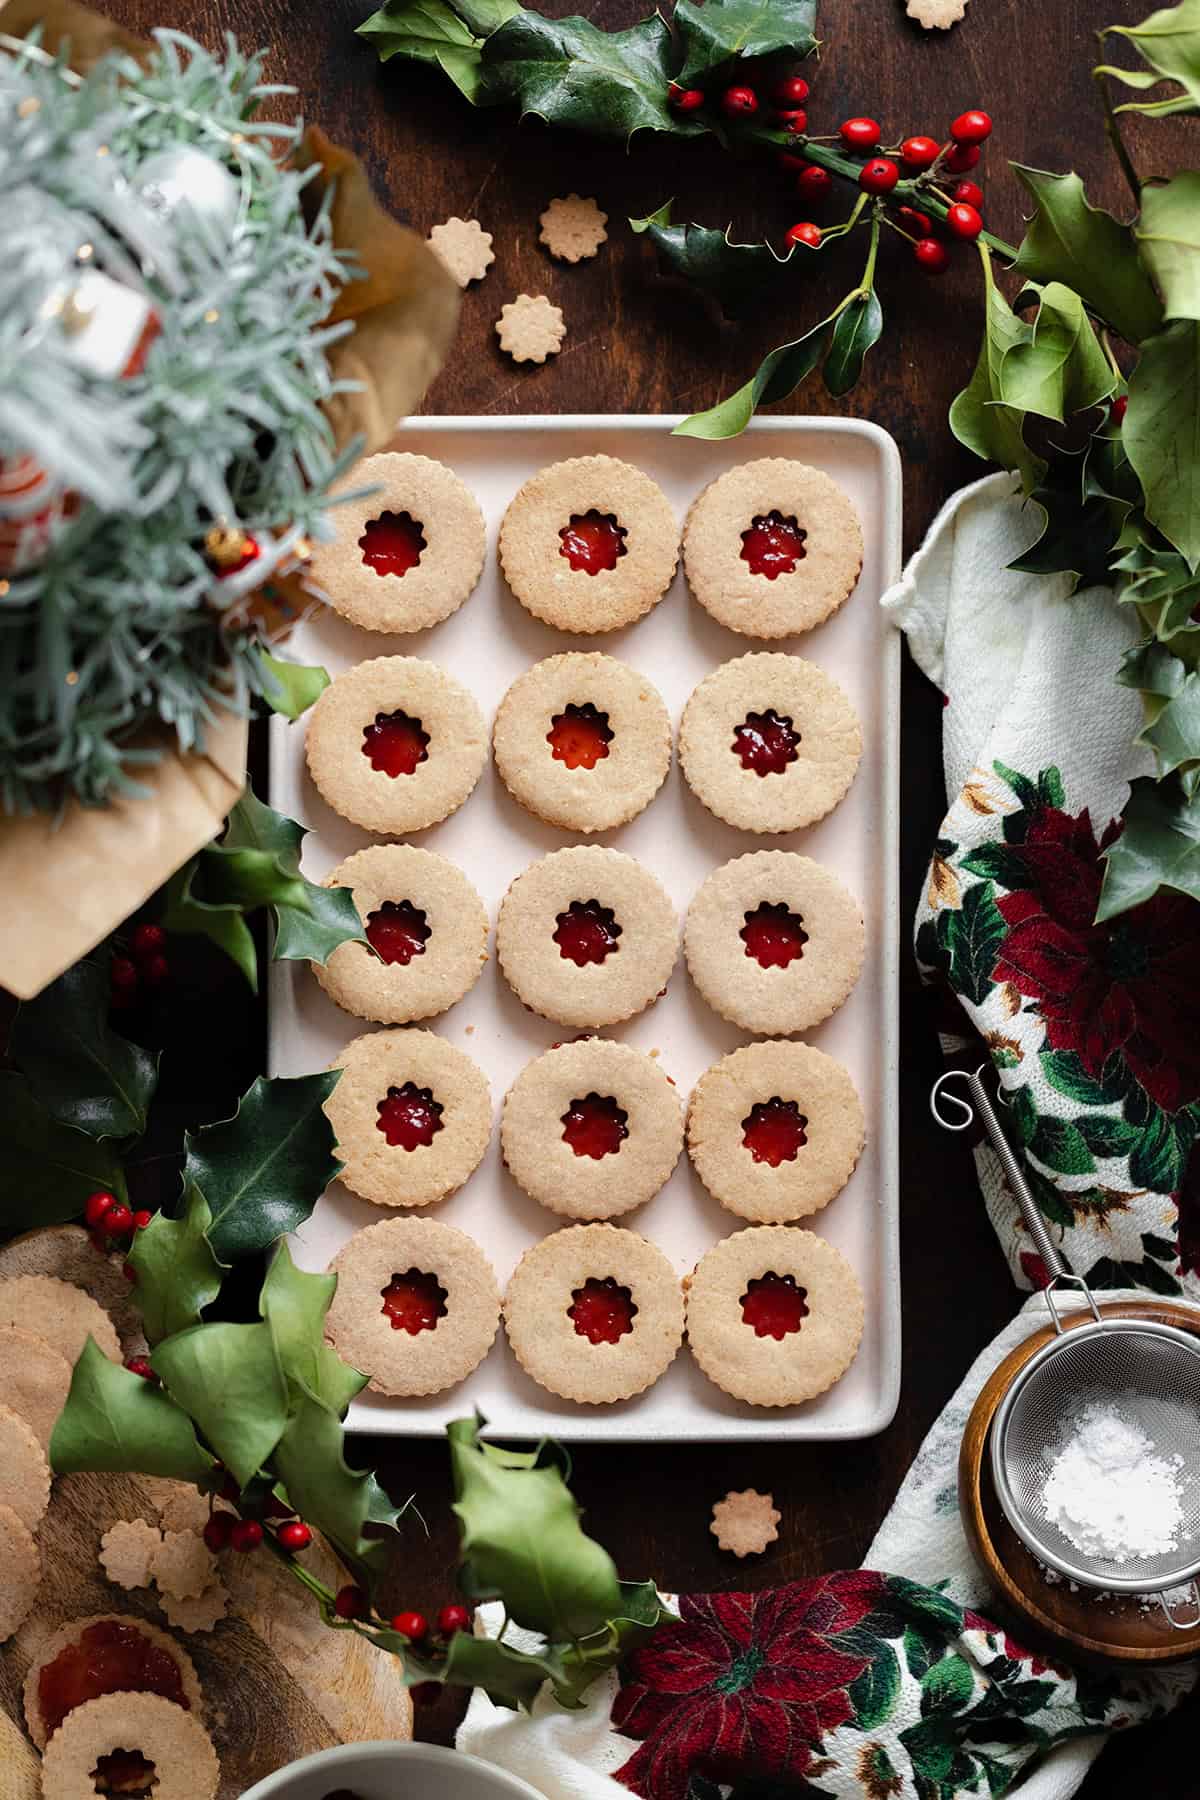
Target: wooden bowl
1122,1628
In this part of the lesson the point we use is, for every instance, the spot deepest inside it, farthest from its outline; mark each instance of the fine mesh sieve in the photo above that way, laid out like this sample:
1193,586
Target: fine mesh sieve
1148,1371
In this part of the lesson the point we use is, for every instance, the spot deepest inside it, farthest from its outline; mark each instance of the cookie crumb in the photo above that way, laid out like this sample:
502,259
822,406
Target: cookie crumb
182,1565
936,15
464,248
573,228
530,329
745,1522
199,1613
127,1552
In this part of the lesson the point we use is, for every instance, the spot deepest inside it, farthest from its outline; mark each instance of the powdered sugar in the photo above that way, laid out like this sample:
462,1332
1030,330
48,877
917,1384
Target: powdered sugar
1110,1492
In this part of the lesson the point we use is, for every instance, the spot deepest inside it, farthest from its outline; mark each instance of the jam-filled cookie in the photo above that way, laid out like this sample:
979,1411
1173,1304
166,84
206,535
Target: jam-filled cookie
395,744
583,741
407,554
769,743
772,547
587,936
427,933
774,1131
589,544
774,942
774,1315
124,1726
416,1306
412,1115
591,1129
106,1654
594,1313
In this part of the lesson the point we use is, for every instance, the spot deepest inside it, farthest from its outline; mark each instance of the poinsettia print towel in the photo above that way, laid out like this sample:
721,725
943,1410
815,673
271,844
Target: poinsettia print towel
1094,1029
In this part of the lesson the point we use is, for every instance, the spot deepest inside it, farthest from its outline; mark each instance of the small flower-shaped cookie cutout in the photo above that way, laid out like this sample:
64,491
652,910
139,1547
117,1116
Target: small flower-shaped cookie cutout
573,228
200,1613
464,248
182,1565
745,1522
936,15
127,1550
530,329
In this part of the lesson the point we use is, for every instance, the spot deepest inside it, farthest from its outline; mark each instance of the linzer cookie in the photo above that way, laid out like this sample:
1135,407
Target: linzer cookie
407,554
774,942
108,1653
24,1471
589,544
34,1379
774,1315
58,1312
122,1726
416,1306
395,744
772,547
769,743
594,1313
587,936
774,1131
427,933
67,1253
20,1572
591,1129
412,1116
583,741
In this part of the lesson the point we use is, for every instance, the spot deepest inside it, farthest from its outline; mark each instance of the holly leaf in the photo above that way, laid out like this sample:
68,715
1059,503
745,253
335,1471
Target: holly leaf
854,332
289,688
1169,41
263,1170
338,1501
642,1611
429,31
978,419
80,1071
569,72
974,935
732,273
1077,535
1159,847
1173,732
1168,234
778,375
1070,241
117,1421
228,1379
177,1273
294,1303
312,932
188,913
47,1169
310,921
1161,435
509,1677
721,30
1060,368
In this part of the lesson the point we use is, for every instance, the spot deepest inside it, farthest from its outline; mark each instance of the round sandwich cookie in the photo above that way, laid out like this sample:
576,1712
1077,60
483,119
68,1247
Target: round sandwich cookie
407,554
582,741
395,744
774,1315
587,936
774,1131
34,1379
774,942
591,1129
20,1572
412,1115
769,743
67,1253
131,1739
416,1306
108,1653
594,1314
589,544
60,1313
24,1471
427,933
772,547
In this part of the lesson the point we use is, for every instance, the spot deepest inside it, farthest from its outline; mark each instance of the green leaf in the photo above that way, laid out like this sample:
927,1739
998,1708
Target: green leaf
1078,535
427,31
313,932
1168,233
177,1273
1169,41
263,1170
221,922
1023,1112
947,1686
977,418
918,1652
1159,847
119,1422
1162,433
1086,249
1058,1145
1106,1136
721,30
47,1170
1060,368
874,1693
641,1612
1162,1248
1158,1156
228,1379
732,273
294,1303
854,332
289,688
570,72
310,921
338,1501
82,1073
974,935
778,375
1174,731
509,1677
1002,863
1066,1073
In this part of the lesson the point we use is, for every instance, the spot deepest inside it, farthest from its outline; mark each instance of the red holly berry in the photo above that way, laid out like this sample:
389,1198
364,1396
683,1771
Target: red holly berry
915,223
245,1535
426,1693
217,1532
156,969
971,127
931,255
1116,411
804,233
792,91
148,940
961,157
295,1535
412,1625
859,134
140,1365
97,1205
122,975
141,1219
350,1603
920,152
879,176
686,100
969,194
814,183
739,103
794,121
118,1221
452,1619
964,222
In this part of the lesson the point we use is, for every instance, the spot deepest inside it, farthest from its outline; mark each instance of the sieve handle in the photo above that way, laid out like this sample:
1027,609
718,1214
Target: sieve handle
1168,1607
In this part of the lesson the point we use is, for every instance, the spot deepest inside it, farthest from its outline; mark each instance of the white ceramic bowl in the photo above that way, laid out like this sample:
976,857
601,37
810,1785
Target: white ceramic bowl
391,1771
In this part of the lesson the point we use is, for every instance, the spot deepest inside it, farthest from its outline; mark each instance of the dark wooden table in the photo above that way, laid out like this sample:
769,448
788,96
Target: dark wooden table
637,343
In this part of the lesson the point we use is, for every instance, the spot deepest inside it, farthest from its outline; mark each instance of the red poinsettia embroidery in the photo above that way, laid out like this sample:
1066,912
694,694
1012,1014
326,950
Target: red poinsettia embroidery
745,1683
1126,985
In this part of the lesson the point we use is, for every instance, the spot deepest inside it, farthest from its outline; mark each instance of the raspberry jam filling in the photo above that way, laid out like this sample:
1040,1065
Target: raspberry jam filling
773,545
410,1117
579,736
124,1772
397,932
392,543
592,541
773,1306
106,1658
595,1126
414,1301
773,936
395,744
775,1131
765,743
586,933
602,1312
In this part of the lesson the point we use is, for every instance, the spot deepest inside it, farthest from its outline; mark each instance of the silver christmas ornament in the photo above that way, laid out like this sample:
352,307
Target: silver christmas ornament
181,175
